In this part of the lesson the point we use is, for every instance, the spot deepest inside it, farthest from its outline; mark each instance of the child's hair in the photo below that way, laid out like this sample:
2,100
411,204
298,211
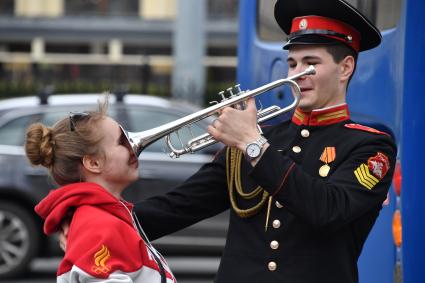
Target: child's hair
60,148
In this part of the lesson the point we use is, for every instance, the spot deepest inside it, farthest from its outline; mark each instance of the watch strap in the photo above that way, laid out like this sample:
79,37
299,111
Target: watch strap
261,141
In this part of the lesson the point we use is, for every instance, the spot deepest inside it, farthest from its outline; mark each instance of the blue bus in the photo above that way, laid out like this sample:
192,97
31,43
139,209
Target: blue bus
390,99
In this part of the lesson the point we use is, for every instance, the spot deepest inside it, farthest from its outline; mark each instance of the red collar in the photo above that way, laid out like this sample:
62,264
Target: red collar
321,117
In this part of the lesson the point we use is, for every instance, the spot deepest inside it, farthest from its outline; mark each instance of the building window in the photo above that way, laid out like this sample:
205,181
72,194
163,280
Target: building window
223,9
103,8
7,7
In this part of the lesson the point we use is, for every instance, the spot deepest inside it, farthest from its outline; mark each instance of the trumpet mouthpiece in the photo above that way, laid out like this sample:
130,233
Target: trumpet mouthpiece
310,70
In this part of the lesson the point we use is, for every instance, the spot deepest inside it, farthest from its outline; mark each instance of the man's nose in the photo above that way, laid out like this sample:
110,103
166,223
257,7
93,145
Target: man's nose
301,69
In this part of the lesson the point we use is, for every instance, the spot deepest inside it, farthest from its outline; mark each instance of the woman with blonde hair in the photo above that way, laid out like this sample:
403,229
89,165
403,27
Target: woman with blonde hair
88,156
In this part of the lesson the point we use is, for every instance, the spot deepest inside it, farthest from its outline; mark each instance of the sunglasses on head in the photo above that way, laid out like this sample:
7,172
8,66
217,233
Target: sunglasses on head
75,117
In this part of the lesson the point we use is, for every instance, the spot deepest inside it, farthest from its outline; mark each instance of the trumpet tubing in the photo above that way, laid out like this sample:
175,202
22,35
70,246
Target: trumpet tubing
140,140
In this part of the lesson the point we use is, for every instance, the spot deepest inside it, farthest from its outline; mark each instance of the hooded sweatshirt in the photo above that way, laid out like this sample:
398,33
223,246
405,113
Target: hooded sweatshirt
103,245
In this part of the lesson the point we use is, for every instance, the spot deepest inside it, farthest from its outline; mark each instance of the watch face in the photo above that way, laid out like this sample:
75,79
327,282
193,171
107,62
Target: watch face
253,150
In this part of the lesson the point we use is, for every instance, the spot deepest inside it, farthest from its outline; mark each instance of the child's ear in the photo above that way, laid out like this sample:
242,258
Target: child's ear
92,164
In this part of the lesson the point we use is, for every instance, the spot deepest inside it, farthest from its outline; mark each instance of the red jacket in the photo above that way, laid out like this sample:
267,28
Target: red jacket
102,241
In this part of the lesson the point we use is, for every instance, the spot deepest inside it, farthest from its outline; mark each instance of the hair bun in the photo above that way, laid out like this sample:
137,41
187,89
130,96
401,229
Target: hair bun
39,145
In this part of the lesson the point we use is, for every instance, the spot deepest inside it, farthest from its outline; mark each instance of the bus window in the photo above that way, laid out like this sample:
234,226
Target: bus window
268,29
383,13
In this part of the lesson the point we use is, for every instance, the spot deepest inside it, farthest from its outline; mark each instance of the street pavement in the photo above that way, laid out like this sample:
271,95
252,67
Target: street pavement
186,270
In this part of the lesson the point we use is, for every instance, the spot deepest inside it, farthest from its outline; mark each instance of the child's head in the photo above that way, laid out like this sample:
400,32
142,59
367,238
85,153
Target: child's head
61,148
82,147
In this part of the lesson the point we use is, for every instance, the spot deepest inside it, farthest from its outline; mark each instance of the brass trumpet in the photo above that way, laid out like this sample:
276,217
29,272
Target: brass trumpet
140,140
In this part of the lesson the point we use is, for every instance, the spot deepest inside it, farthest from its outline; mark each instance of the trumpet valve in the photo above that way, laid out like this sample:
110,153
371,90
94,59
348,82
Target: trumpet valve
238,89
221,93
229,90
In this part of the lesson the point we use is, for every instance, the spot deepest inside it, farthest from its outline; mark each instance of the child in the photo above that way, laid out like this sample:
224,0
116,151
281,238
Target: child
88,155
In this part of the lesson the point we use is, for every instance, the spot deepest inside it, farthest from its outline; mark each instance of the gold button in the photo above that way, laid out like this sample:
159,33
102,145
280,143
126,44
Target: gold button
274,245
272,266
276,223
296,149
305,133
278,205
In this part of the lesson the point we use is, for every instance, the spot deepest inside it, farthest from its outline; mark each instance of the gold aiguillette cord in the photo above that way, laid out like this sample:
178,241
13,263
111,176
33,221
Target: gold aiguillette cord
269,205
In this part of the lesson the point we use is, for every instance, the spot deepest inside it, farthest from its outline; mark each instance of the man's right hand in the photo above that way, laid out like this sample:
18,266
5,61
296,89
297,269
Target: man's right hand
63,234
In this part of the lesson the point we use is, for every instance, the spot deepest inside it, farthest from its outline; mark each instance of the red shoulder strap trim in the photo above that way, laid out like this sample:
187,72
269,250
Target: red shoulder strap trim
365,128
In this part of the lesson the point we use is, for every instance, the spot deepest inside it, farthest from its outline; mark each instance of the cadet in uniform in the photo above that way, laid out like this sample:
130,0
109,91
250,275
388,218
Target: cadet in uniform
303,196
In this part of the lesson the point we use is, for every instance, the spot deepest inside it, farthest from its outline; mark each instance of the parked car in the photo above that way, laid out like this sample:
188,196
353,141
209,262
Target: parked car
22,185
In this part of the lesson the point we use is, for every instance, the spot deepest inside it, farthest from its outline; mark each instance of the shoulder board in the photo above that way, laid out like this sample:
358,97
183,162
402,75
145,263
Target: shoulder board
364,128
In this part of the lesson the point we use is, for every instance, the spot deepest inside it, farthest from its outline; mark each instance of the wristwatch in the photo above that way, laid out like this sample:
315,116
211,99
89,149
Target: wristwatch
253,149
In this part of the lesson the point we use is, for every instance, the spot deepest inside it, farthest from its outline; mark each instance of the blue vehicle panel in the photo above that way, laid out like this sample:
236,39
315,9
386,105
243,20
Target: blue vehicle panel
413,140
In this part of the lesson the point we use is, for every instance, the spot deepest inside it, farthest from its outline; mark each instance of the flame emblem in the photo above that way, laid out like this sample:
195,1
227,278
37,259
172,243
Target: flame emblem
100,258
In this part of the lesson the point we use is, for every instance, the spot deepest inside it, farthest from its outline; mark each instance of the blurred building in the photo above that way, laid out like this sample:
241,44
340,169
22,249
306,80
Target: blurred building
96,45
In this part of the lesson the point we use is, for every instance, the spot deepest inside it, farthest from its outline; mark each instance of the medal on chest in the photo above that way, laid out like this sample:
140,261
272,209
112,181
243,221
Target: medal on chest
328,155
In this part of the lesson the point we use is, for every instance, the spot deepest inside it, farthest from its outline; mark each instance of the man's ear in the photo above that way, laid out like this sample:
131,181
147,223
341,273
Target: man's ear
92,164
347,67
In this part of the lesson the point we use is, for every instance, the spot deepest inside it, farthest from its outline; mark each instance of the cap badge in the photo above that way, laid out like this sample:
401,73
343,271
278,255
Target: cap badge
328,155
303,24
100,258
349,38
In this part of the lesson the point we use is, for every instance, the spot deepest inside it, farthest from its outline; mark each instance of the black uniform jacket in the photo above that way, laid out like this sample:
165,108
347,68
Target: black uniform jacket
317,225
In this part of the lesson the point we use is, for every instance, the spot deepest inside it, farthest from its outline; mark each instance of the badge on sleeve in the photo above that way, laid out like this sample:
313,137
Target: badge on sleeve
379,165
371,173
100,258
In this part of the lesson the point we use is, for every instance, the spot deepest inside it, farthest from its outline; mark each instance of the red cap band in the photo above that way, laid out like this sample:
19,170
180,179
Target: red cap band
351,37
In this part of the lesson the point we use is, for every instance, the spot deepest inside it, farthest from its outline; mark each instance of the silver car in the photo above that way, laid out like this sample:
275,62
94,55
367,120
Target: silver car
22,186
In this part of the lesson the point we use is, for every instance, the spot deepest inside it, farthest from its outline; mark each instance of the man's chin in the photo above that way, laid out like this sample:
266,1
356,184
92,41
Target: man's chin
305,107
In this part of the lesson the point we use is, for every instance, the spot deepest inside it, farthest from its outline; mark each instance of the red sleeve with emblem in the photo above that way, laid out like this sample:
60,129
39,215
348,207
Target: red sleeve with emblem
99,244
